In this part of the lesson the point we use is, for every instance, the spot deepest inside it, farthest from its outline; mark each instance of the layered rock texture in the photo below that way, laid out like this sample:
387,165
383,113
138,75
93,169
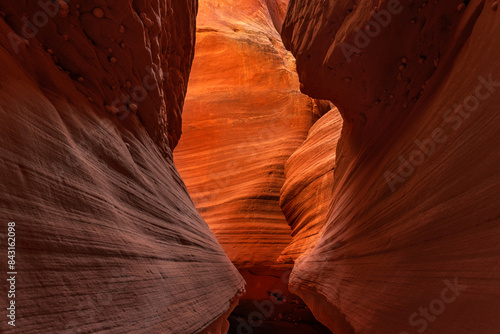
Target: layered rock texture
244,116
107,237
244,122
411,238
306,195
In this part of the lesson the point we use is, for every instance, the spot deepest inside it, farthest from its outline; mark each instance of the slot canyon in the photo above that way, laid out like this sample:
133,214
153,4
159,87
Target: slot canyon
250,166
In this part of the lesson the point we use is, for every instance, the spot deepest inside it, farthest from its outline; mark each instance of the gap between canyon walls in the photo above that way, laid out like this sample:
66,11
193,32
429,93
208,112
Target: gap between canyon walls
254,156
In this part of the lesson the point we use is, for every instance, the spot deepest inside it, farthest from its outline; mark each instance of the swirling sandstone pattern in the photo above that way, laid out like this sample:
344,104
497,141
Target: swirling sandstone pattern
411,239
108,239
244,116
306,194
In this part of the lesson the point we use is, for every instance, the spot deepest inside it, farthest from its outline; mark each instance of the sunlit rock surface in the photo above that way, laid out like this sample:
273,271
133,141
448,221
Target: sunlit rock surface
244,116
107,237
411,239
306,194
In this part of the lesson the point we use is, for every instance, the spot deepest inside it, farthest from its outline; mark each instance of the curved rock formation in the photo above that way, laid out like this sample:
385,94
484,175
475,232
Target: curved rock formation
306,194
107,237
411,239
244,116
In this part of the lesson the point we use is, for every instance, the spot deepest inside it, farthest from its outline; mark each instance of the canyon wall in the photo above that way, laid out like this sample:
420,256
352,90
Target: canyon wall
244,116
244,126
306,195
411,238
107,237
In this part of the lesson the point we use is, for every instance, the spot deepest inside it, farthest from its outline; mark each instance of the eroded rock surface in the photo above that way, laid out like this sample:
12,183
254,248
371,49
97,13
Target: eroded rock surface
244,116
108,239
411,239
306,195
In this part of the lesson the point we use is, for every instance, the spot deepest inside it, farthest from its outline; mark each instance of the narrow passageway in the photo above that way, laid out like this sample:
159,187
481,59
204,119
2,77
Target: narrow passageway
348,185
244,117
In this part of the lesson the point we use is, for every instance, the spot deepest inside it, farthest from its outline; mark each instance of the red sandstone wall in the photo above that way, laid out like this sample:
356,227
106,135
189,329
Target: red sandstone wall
411,239
108,238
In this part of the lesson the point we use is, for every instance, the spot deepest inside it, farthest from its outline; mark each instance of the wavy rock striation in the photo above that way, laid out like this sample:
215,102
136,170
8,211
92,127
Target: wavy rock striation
244,116
108,239
306,194
411,238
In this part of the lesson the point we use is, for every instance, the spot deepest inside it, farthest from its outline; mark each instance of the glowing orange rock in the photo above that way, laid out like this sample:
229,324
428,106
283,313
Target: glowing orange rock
244,116
108,239
306,194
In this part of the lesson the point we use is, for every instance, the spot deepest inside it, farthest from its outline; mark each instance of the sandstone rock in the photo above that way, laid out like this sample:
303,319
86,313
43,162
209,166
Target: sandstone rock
243,117
425,89
107,237
306,194
135,72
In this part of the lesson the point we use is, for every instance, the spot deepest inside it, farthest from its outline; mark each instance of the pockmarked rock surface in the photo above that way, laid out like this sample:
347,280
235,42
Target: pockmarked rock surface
107,237
411,238
244,116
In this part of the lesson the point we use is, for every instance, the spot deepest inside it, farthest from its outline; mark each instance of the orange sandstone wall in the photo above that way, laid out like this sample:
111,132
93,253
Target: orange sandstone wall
306,194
